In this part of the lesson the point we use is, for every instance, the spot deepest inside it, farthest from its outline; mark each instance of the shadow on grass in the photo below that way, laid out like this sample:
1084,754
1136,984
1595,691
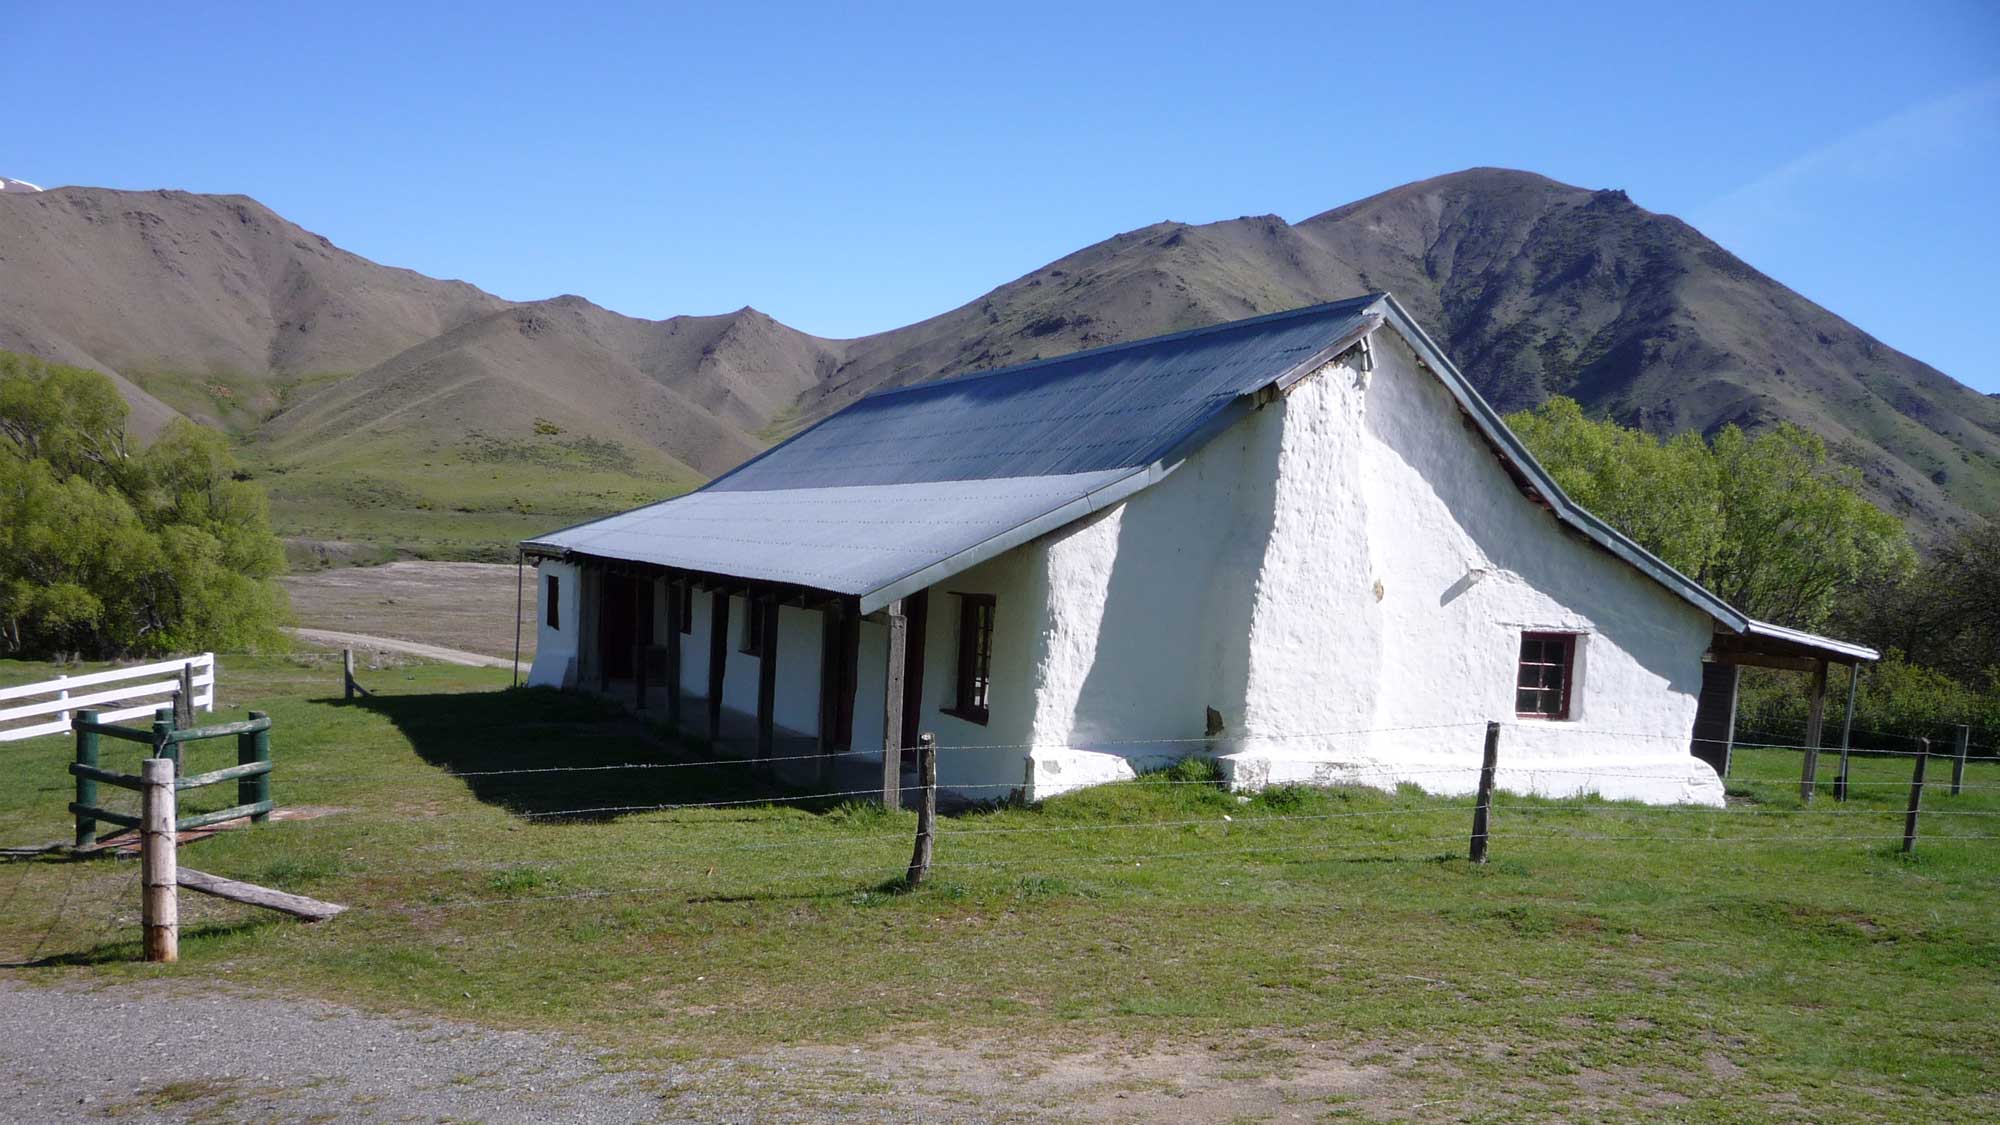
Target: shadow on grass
554,756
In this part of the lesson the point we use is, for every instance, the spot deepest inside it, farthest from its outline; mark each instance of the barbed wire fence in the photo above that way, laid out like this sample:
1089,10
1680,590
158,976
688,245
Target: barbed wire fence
1458,815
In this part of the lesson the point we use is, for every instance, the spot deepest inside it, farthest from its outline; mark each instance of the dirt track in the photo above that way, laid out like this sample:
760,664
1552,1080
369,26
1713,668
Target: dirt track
467,607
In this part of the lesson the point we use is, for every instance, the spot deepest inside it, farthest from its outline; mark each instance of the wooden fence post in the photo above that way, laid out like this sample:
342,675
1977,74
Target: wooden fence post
163,744
920,859
347,674
62,694
1958,759
86,788
160,909
254,746
1916,796
184,698
1482,809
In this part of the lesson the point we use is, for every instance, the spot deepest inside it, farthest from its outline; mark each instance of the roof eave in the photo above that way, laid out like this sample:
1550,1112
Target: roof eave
1566,510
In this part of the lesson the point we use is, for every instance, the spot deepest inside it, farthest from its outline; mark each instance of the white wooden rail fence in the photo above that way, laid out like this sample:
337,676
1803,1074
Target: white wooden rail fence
121,693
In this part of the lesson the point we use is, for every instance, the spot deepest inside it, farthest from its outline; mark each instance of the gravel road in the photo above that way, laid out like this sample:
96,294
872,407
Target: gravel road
333,639
161,1051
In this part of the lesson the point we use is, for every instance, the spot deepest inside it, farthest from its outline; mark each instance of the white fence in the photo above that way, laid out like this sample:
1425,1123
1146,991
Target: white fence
150,686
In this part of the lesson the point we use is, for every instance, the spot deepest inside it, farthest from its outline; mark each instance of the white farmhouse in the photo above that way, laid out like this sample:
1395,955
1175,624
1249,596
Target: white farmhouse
1301,543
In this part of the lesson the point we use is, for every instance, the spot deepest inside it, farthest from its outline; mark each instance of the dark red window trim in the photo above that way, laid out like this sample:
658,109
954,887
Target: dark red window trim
1545,676
974,681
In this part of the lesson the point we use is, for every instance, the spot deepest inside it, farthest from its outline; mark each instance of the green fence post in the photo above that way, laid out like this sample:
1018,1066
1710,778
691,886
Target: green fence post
86,788
164,747
254,746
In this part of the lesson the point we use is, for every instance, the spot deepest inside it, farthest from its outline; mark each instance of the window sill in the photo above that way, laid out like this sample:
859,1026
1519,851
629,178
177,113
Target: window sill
968,716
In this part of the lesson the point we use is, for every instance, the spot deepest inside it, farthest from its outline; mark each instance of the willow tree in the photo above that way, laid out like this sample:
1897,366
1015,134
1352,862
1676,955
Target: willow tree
107,551
1768,521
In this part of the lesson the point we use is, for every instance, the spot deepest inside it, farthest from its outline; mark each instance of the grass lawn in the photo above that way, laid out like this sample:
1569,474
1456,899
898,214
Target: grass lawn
1756,962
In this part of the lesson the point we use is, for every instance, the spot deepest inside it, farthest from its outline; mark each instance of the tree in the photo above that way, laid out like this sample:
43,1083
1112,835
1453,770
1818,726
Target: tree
104,552
1768,522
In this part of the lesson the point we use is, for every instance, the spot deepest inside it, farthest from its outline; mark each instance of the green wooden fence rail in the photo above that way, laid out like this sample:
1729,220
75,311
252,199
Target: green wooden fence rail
251,773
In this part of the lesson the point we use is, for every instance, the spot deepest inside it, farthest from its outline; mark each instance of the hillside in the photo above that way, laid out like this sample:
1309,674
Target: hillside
387,406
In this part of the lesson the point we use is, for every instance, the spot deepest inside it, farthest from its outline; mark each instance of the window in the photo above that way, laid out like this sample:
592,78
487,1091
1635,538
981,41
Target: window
554,603
975,657
753,626
1548,667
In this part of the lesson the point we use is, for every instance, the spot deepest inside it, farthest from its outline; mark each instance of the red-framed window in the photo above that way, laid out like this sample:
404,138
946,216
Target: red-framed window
1546,675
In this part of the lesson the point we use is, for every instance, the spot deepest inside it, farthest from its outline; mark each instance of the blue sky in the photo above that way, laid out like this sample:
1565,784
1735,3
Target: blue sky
852,168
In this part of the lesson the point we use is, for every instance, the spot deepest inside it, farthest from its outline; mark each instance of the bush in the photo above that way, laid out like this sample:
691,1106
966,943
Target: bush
105,552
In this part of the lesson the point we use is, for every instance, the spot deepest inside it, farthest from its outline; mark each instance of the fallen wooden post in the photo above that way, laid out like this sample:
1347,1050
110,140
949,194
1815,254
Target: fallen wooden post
298,906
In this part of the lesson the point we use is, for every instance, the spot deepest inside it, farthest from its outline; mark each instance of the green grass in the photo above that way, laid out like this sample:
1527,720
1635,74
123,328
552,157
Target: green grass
472,499
1752,963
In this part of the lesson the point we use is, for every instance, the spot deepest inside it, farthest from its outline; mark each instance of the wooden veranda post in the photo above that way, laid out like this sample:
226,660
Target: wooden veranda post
1916,796
718,657
1815,724
767,676
160,908
920,858
1847,731
252,747
1482,808
892,708
1958,759
86,788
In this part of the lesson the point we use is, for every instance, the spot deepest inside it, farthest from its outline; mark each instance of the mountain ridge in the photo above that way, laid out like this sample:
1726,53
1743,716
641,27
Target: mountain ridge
225,311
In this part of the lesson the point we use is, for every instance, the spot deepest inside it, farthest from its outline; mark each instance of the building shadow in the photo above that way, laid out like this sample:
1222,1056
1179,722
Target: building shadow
546,754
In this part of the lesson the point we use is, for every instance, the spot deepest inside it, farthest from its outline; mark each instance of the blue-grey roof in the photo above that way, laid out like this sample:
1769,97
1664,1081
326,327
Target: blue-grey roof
1116,407
910,485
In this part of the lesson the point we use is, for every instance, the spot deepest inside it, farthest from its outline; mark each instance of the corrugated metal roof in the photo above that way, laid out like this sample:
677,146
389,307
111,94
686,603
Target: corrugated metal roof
1118,407
849,539
908,486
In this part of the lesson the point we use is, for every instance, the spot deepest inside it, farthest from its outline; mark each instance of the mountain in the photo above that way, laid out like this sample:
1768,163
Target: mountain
363,391
211,303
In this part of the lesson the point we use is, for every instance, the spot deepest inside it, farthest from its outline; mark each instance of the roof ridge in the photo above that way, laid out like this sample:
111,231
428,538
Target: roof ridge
1124,345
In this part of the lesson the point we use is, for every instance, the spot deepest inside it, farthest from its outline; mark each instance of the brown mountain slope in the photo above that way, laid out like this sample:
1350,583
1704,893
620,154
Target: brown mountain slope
213,301
423,390
1534,288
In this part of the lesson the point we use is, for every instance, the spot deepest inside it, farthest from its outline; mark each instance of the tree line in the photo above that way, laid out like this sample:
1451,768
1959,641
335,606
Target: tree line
108,551
1778,528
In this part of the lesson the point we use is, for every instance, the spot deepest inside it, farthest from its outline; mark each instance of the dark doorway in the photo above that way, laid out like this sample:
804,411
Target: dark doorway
616,617
916,610
1715,716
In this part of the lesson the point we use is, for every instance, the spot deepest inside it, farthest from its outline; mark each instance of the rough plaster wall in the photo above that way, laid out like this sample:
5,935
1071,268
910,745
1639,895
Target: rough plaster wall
1380,483
1316,631
1149,616
556,649
1017,582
